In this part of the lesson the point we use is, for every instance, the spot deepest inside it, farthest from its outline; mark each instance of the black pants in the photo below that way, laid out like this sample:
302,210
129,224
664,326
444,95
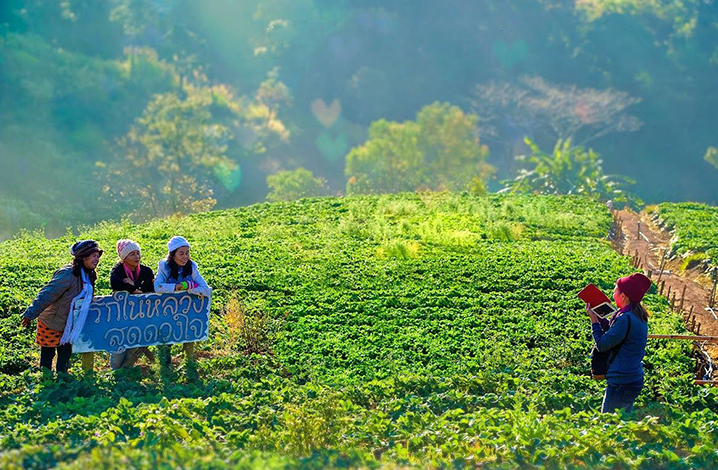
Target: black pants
63,357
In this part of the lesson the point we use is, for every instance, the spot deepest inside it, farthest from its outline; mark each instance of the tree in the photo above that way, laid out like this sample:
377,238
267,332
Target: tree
170,154
440,150
569,170
533,106
292,185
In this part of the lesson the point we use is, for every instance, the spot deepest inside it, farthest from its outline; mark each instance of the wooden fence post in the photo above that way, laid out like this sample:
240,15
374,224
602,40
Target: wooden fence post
683,296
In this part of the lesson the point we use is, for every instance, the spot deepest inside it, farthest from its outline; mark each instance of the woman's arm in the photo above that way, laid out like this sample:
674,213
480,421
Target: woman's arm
58,285
162,284
202,288
611,338
117,280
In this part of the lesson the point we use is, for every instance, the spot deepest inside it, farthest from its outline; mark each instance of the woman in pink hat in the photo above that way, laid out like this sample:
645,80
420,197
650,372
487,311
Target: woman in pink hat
128,275
625,337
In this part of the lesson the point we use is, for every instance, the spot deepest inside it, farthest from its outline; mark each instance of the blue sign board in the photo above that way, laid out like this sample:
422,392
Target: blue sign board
122,320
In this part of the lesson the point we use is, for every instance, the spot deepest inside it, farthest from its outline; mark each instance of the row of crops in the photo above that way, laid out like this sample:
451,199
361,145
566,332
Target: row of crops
405,330
694,227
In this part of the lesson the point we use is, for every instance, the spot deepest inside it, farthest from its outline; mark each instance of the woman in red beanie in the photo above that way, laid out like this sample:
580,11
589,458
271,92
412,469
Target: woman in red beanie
625,336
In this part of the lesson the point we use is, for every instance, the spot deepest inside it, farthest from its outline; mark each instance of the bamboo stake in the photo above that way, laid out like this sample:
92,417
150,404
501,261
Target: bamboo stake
668,295
706,382
662,265
673,302
683,296
698,330
663,284
685,337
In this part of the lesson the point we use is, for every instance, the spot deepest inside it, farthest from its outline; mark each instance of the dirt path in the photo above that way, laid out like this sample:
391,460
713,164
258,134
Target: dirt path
690,289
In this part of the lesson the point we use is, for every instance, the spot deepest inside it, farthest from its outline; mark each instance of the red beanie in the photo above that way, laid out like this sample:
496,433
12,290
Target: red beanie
634,286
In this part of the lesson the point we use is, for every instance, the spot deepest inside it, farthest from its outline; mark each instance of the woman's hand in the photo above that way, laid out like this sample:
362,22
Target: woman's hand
26,322
591,314
137,291
129,281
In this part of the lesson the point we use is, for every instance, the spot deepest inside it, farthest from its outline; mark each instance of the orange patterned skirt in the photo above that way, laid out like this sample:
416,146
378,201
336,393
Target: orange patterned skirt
46,337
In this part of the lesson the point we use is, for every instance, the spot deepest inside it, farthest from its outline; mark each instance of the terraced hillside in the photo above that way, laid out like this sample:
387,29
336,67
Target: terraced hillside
403,330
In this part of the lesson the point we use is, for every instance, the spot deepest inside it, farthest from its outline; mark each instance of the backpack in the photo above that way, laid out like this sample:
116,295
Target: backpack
601,361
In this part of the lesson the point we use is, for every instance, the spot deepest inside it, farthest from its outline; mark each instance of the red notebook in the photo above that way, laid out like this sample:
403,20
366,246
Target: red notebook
597,301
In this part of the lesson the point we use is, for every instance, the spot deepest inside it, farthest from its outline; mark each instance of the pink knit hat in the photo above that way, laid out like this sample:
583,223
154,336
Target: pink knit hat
634,286
125,247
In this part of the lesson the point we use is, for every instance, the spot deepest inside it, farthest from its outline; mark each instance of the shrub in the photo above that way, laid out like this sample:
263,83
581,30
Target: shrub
292,185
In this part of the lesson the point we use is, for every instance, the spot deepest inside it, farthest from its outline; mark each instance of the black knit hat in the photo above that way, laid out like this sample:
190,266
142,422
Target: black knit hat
85,248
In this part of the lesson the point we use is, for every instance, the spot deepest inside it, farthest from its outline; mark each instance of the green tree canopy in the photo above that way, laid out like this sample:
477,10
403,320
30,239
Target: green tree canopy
172,152
292,185
440,150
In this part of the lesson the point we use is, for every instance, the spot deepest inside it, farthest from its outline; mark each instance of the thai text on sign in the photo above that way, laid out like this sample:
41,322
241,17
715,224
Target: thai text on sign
121,321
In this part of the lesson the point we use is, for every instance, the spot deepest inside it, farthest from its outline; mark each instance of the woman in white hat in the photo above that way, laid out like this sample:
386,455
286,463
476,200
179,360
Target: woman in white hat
128,275
175,274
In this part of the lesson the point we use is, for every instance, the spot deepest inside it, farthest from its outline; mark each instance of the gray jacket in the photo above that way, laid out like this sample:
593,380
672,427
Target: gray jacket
53,302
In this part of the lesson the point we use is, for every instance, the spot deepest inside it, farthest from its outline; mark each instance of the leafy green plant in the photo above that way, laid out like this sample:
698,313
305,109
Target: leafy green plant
250,328
569,170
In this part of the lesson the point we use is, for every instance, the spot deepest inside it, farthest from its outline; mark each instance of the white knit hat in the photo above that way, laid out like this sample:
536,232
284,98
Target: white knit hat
125,247
177,242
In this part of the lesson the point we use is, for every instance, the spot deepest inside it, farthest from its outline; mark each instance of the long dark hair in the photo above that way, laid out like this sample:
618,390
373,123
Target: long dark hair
640,311
78,264
175,268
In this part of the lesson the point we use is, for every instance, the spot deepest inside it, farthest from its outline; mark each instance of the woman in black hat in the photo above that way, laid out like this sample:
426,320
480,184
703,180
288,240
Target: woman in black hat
71,288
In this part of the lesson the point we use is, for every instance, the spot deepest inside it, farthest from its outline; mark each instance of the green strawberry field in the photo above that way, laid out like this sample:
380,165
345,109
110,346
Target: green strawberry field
396,331
694,226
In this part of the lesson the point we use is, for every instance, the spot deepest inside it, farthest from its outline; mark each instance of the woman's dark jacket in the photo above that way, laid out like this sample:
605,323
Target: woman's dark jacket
627,366
145,282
